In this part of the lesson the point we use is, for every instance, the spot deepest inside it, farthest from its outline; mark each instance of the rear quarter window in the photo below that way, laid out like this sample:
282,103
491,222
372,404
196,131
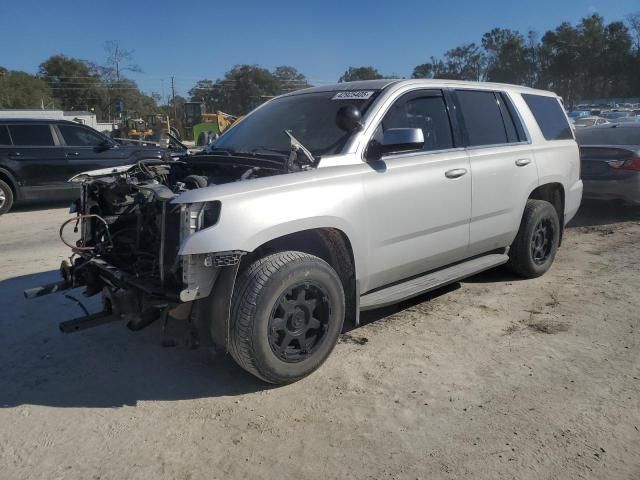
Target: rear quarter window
550,116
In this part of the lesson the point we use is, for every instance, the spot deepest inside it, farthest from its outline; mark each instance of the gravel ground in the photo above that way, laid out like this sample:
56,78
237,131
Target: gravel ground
491,378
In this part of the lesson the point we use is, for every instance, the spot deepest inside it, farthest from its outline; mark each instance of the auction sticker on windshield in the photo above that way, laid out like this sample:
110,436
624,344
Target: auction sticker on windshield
353,95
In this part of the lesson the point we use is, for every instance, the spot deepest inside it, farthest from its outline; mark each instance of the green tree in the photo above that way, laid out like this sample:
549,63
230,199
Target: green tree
633,23
559,59
360,73
22,90
73,82
505,51
205,91
424,70
465,62
242,89
290,79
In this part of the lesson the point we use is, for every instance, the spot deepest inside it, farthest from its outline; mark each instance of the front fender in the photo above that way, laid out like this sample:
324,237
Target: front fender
255,216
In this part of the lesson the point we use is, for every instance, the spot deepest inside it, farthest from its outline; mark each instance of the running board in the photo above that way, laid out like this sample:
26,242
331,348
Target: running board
416,286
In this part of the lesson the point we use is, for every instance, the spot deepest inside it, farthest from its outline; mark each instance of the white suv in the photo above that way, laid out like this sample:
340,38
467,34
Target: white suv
325,202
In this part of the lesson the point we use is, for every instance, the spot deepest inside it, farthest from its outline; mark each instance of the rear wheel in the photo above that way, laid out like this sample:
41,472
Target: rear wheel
536,244
287,312
6,197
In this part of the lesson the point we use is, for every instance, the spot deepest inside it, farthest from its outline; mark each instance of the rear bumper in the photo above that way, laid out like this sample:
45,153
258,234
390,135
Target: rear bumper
572,201
626,189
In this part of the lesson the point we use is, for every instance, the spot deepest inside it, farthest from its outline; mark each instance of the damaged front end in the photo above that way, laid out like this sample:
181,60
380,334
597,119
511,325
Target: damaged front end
131,230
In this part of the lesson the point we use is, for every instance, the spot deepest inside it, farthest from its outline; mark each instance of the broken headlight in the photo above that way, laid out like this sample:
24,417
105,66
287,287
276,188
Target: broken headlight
198,216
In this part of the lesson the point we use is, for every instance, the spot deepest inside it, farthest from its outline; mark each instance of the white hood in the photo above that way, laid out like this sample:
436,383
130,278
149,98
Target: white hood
88,175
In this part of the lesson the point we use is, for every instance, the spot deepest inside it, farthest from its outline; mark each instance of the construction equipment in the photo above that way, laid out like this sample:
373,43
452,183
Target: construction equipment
212,125
137,129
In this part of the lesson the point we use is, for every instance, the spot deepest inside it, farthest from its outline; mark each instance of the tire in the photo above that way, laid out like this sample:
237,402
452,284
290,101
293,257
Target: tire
6,197
536,243
195,181
277,333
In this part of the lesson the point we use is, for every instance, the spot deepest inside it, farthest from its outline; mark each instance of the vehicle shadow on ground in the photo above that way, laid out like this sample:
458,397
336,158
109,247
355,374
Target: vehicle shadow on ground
600,213
372,316
107,366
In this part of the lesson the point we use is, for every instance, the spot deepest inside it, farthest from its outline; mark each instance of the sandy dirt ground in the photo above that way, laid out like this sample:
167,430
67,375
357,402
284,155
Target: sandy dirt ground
493,378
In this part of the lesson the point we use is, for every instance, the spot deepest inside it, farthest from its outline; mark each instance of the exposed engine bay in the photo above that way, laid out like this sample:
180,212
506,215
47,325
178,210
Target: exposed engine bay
128,221
130,235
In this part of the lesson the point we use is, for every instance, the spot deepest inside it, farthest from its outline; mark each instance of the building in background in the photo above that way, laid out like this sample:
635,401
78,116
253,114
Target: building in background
83,117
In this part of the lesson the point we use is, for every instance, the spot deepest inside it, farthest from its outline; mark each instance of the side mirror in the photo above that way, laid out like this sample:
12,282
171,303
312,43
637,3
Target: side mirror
396,140
349,118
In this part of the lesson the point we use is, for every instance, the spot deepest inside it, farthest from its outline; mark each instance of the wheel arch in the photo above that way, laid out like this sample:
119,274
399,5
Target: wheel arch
9,179
328,243
554,193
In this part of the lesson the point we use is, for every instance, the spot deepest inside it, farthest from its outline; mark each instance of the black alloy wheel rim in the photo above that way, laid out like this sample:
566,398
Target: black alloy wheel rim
299,322
542,241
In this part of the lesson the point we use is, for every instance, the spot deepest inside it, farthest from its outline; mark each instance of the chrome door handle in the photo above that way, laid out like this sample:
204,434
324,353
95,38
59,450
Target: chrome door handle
73,154
455,173
521,162
15,154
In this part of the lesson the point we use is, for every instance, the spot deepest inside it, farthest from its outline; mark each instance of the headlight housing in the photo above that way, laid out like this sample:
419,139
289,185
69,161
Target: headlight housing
198,216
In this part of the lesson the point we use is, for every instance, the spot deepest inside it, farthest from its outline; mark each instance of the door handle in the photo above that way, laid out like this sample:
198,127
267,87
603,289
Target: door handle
521,162
73,154
15,154
455,173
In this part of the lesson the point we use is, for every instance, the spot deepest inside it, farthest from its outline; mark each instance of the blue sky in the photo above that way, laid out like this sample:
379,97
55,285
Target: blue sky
203,39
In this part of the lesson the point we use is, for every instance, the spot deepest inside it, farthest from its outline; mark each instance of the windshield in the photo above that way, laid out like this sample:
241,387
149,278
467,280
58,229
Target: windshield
311,118
609,136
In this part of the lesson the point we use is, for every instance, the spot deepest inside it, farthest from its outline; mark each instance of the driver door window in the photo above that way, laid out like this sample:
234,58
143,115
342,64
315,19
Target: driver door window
424,110
79,136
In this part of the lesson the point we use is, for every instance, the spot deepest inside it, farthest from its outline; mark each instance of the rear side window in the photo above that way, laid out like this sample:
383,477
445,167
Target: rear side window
426,111
550,116
4,135
482,118
31,135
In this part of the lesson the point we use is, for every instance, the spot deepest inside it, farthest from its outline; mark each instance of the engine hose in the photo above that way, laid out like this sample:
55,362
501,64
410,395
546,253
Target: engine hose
75,248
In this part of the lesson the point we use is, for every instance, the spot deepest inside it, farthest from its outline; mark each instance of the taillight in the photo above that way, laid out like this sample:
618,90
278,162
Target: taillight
632,164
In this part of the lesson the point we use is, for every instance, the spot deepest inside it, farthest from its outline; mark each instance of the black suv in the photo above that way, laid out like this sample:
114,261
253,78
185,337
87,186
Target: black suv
37,157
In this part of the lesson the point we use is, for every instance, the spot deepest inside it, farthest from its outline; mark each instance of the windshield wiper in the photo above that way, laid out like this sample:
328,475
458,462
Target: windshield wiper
298,147
266,151
226,151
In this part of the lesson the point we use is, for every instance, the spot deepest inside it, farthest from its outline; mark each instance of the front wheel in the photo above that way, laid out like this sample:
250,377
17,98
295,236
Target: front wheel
536,244
287,313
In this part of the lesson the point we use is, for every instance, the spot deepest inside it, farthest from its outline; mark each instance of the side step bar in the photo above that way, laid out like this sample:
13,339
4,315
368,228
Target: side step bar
419,285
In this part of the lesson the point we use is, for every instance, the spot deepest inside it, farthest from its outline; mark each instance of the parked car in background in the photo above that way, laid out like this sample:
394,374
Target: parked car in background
589,121
614,115
575,114
38,156
630,119
610,160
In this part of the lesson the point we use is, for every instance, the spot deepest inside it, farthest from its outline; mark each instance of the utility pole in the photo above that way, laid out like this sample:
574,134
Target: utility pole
173,99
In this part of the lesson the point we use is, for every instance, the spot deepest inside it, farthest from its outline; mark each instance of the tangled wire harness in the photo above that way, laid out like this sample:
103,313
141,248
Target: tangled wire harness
76,248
